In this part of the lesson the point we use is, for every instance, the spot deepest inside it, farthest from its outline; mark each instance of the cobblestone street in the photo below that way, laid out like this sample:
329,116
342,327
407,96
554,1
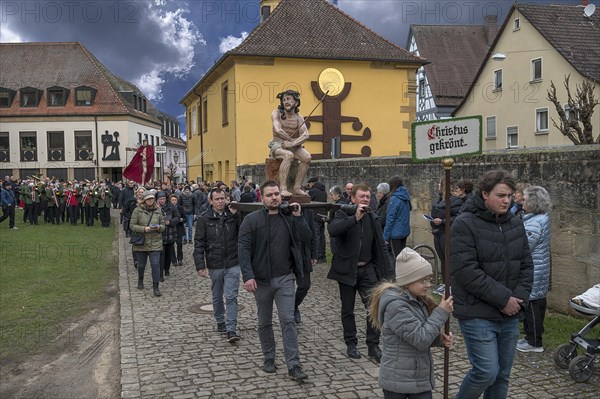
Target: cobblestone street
168,351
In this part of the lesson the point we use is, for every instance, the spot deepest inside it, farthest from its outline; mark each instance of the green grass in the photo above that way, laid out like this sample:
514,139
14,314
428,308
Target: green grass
558,328
49,275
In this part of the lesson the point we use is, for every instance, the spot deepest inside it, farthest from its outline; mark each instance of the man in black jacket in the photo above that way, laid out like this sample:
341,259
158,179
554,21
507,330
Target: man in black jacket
125,197
317,193
269,251
216,248
492,274
359,263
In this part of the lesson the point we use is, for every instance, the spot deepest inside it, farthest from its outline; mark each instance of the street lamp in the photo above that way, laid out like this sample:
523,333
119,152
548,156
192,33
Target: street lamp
498,56
176,159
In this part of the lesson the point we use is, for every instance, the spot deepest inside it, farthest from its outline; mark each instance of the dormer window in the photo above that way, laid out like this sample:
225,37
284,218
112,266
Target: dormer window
30,97
84,95
57,96
139,103
6,97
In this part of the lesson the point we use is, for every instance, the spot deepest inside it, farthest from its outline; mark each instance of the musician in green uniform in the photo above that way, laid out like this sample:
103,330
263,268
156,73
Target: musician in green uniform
51,204
104,201
25,196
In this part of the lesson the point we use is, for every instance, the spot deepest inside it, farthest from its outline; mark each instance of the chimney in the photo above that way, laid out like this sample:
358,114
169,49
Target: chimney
266,8
490,28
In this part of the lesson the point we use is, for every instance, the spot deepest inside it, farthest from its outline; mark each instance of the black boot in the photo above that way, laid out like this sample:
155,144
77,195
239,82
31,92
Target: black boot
140,284
156,290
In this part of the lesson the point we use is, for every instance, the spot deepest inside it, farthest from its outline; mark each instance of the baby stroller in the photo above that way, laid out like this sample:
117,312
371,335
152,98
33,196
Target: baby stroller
581,367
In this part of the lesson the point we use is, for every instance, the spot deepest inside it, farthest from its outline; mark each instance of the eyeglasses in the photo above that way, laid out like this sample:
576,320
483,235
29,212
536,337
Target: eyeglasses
426,281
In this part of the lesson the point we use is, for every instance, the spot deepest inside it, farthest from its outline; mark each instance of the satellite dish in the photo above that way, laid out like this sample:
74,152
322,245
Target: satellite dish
589,10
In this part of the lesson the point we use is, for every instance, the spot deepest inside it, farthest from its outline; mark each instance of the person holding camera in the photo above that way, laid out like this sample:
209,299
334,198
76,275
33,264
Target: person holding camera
215,255
147,219
269,252
359,263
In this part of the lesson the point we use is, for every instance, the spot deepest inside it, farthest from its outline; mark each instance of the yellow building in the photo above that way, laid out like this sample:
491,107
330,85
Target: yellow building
537,44
368,82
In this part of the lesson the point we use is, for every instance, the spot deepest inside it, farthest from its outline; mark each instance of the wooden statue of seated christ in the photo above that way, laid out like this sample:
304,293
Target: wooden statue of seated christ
289,134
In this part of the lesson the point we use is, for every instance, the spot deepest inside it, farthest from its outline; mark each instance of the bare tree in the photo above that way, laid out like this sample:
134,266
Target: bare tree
577,126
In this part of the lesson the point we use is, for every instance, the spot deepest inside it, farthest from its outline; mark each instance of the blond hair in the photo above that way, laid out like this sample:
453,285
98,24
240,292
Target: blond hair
375,298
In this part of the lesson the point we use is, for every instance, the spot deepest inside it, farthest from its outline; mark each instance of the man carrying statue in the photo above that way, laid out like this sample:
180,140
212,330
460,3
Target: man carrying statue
289,133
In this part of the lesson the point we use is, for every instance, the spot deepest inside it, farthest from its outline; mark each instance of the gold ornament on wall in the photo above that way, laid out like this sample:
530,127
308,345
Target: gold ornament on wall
331,80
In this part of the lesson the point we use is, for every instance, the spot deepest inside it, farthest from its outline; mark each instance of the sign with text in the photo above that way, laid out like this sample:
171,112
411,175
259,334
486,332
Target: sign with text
160,149
445,138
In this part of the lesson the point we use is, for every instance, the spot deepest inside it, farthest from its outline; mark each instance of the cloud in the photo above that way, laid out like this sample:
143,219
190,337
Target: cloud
231,42
8,36
181,35
149,43
151,84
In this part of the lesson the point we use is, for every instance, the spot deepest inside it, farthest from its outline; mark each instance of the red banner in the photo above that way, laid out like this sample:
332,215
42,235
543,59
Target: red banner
141,166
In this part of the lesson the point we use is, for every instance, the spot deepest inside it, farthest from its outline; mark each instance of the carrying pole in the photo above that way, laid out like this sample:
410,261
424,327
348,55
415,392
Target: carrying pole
447,163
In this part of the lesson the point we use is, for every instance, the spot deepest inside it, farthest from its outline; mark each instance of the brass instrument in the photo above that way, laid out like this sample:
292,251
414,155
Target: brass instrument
86,193
54,189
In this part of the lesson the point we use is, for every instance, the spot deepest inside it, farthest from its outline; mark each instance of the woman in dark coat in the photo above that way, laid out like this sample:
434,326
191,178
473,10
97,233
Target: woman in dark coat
177,256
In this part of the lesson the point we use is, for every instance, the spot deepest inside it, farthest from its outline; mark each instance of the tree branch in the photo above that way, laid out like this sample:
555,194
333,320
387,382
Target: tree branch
581,109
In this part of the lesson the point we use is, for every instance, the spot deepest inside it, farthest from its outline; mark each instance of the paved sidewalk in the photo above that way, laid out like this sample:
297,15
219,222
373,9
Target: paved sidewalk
168,351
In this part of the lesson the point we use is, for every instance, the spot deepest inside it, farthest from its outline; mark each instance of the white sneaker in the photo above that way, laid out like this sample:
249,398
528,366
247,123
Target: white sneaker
14,228
525,347
521,341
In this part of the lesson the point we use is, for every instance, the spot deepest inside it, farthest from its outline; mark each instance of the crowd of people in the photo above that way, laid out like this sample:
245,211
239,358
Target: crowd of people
55,201
499,263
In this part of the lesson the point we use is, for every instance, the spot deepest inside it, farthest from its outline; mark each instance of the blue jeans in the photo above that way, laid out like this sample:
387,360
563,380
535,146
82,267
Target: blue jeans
189,222
225,282
142,257
491,347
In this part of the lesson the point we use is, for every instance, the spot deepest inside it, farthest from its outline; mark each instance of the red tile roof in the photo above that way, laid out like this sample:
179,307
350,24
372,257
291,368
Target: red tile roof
173,141
67,65
318,29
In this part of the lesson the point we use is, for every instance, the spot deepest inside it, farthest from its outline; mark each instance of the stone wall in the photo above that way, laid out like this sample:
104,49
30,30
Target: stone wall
570,174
